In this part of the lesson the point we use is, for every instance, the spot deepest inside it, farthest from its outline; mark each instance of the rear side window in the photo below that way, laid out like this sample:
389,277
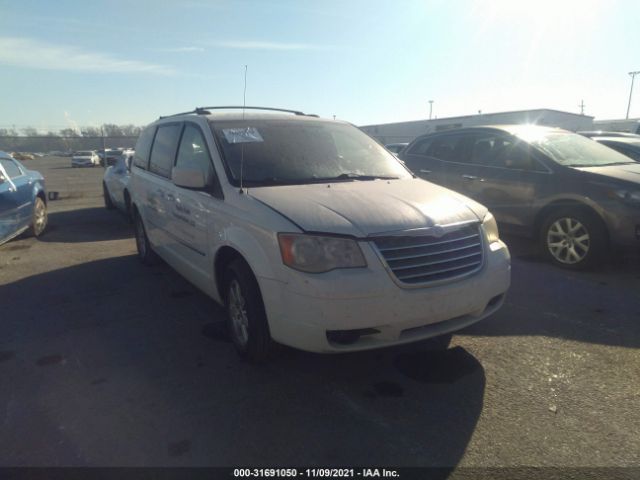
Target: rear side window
193,151
497,151
164,148
451,148
11,168
420,147
143,147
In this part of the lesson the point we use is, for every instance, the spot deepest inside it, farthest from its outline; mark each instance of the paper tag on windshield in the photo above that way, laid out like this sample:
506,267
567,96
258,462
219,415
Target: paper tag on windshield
242,135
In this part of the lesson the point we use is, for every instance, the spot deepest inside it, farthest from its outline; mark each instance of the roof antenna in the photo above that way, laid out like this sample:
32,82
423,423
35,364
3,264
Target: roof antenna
244,103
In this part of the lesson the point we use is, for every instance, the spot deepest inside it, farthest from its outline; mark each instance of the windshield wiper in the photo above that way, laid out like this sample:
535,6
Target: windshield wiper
598,165
353,176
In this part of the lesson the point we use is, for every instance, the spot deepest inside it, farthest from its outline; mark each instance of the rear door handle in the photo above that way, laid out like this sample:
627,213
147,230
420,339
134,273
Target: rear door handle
422,170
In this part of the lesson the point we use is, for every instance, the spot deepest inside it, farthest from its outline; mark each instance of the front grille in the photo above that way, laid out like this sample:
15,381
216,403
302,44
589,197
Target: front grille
420,259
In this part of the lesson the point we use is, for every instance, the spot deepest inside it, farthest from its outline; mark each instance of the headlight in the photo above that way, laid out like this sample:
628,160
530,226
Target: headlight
316,254
491,228
627,196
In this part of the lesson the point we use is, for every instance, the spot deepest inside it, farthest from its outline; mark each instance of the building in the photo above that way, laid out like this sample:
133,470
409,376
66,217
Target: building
630,125
407,131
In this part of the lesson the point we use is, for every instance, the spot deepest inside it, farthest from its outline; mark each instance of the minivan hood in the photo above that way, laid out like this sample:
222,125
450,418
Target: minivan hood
629,172
362,208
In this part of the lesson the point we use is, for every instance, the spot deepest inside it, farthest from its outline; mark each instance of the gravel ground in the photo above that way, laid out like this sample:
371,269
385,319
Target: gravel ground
105,362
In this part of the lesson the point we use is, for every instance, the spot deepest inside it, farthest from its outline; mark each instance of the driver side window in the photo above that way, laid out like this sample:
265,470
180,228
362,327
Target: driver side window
193,152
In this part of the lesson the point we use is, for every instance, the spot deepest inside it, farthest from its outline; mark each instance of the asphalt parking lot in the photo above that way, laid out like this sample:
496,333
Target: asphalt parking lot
106,362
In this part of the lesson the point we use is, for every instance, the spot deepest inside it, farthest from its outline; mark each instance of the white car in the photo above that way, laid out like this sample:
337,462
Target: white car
311,234
88,158
115,184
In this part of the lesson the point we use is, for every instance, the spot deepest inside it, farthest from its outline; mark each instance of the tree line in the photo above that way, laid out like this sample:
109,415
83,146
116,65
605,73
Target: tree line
106,130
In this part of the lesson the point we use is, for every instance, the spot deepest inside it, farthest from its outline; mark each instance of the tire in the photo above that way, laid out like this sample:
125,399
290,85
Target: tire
108,203
573,238
145,253
246,317
38,219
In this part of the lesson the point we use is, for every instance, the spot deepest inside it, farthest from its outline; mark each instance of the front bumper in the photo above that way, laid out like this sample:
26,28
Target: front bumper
304,308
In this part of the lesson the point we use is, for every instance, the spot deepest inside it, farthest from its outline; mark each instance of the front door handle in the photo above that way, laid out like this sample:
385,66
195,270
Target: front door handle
422,170
469,177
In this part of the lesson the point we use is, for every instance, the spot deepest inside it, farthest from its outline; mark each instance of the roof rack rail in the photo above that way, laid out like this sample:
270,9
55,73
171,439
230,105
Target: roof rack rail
205,110
295,112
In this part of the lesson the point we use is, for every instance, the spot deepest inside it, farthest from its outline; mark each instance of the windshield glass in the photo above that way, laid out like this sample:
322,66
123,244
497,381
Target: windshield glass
281,152
573,150
84,154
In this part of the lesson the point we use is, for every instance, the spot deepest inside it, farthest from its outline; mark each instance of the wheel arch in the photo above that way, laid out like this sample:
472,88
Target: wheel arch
224,257
563,203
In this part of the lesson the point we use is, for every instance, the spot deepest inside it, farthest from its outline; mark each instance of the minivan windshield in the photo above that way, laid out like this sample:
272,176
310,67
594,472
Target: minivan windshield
286,152
572,150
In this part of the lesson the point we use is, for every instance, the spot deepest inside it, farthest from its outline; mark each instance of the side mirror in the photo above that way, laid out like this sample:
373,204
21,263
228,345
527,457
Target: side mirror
2,179
188,177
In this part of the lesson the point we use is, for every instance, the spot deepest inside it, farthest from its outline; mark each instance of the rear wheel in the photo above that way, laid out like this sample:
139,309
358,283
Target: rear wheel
108,203
573,238
39,218
127,206
145,253
246,317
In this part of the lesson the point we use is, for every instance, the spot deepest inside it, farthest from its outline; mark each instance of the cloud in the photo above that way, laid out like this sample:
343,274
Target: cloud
29,53
259,45
179,49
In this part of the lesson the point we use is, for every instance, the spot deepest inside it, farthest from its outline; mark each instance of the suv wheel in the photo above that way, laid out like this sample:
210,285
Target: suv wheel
246,318
39,218
145,253
108,203
573,238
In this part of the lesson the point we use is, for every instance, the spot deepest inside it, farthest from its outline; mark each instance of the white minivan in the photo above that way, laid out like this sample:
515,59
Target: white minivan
310,233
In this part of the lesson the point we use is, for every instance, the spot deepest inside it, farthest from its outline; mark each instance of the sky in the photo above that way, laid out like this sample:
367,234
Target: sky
71,63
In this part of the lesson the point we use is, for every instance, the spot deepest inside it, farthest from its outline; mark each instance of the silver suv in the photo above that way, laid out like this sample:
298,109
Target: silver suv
310,233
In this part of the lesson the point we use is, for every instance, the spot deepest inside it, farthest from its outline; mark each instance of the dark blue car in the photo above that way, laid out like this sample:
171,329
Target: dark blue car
23,199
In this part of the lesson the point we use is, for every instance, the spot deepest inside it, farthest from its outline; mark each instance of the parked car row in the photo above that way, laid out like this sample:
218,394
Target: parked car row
313,235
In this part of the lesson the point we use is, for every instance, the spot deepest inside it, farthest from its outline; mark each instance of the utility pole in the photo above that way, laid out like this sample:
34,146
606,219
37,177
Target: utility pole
104,148
430,108
633,76
581,107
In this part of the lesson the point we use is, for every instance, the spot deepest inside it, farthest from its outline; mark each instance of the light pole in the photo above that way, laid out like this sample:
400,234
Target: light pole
633,76
430,108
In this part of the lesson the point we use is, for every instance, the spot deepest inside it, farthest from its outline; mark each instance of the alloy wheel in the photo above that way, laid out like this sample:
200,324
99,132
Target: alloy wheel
40,218
238,313
568,241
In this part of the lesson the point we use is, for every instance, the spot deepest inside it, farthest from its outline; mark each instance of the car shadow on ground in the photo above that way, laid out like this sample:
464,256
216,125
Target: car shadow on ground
164,374
600,306
86,225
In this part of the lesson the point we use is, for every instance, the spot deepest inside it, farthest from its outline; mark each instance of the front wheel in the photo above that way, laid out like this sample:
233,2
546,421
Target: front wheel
246,317
39,218
573,238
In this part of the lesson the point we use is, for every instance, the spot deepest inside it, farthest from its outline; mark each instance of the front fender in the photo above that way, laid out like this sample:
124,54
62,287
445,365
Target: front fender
258,247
